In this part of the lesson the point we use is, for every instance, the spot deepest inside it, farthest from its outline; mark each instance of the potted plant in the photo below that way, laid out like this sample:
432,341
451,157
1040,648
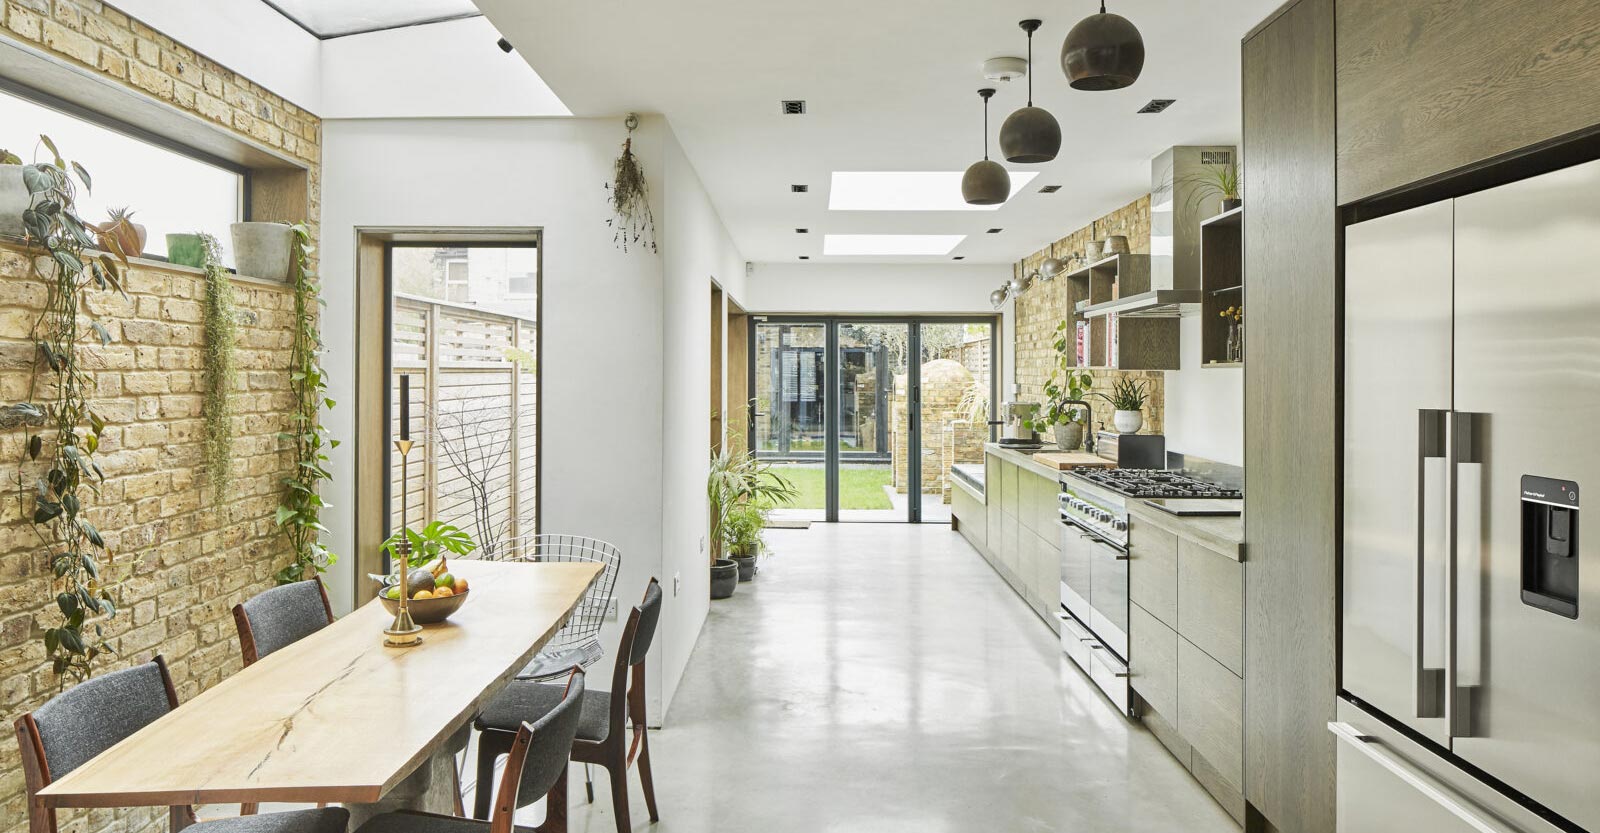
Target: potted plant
121,235
1066,387
1218,180
736,481
187,249
1128,398
741,533
262,250
14,195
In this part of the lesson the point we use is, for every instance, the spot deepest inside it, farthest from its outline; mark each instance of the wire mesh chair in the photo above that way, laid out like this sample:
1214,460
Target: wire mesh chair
578,642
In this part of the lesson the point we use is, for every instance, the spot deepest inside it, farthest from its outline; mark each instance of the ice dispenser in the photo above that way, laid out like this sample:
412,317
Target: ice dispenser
1550,545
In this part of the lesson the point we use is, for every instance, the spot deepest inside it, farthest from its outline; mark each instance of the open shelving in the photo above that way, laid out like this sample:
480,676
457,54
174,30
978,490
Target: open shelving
1123,341
1221,283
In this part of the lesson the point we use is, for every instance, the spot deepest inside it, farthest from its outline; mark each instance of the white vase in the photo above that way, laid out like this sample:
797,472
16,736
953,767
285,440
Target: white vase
14,199
262,250
1128,422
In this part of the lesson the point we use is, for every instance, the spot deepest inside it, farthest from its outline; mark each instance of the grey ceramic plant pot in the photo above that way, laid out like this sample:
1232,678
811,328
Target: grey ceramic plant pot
1068,435
263,250
724,578
14,200
747,566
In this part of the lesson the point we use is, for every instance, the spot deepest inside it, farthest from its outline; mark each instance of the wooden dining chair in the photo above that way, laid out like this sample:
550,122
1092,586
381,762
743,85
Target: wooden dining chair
603,736
277,618
535,768
96,714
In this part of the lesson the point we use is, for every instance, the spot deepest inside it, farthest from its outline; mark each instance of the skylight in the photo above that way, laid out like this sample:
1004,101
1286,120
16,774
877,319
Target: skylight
890,244
908,191
335,18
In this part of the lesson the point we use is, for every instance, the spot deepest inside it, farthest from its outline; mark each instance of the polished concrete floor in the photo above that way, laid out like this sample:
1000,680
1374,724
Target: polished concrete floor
881,678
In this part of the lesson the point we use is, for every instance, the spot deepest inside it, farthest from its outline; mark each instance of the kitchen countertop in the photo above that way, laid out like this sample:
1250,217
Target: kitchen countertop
1225,533
1025,459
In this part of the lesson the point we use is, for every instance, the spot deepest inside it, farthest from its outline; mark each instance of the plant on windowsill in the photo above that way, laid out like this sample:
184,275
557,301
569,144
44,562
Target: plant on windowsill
299,512
222,374
61,459
1065,387
14,195
1128,398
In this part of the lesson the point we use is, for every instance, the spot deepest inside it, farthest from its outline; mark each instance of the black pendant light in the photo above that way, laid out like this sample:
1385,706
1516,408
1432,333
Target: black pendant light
1103,52
1030,135
986,182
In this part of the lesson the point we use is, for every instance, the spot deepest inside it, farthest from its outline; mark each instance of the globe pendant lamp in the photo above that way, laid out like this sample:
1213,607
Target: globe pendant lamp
1030,135
1103,52
986,182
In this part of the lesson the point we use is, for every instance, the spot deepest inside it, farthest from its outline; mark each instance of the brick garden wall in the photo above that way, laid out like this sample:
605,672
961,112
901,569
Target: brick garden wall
185,562
1044,305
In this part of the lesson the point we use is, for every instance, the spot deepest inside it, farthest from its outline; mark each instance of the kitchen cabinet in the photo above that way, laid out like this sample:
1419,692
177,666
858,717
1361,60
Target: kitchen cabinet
1186,642
1021,534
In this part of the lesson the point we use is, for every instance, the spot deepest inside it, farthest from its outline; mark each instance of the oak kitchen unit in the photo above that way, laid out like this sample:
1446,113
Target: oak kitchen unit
1013,522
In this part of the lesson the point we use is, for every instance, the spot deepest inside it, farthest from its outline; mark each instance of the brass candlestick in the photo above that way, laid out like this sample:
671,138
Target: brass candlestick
404,632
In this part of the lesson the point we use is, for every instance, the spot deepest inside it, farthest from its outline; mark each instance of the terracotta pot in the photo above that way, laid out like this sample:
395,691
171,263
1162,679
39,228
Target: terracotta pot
130,237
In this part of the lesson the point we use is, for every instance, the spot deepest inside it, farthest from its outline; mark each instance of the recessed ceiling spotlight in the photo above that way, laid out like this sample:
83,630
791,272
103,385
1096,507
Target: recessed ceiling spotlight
1050,189
959,257
995,230
793,107
505,45
805,257
1156,105
799,189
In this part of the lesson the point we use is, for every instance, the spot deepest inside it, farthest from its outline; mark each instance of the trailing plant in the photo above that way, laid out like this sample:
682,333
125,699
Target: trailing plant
1065,386
430,542
634,223
299,514
1127,395
222,375
738,478
70,429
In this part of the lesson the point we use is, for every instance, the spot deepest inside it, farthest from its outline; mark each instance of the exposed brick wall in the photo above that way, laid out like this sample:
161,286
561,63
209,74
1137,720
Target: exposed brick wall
1044,305
186,562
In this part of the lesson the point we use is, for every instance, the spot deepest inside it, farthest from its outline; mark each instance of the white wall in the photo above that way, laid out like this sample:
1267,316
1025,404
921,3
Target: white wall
1205,406
626,335
246,36
443,70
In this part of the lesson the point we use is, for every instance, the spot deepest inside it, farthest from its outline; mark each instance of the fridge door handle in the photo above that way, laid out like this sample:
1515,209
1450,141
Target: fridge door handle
1439,794
1464,596
1432,515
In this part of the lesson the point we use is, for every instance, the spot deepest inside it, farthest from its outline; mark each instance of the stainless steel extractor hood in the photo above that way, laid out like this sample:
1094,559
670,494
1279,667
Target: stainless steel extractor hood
1178,202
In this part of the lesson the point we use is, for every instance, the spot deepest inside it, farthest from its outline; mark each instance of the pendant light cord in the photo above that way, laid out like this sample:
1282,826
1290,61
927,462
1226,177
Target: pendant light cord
985,128
1030,67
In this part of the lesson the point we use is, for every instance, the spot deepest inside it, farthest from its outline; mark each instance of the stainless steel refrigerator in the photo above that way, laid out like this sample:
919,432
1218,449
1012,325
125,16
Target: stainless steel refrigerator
1470,609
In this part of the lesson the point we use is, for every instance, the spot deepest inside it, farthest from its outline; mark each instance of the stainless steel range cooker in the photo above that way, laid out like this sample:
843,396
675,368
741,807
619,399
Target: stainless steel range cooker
1094,562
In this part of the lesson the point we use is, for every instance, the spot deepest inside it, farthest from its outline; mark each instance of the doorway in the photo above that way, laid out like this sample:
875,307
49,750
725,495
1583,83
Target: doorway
868,416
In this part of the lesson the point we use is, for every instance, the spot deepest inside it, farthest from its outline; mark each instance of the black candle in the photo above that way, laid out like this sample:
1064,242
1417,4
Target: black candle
405,406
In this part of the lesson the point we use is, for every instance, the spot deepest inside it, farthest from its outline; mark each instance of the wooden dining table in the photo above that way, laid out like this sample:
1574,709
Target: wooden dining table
338,717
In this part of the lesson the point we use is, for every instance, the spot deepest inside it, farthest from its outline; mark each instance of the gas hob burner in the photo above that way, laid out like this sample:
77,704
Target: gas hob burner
1158,483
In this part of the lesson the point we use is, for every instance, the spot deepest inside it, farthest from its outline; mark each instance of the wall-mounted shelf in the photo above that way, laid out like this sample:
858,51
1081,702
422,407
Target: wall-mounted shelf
1221,283
1120,330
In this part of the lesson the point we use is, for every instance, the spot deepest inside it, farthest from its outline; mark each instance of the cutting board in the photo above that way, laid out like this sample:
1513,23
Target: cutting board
1067,460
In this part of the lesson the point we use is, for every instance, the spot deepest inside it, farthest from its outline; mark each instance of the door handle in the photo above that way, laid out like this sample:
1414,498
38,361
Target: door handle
1432,543
1439,794
1464,594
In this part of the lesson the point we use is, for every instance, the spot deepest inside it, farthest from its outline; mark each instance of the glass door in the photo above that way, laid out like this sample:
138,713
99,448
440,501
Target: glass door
869,417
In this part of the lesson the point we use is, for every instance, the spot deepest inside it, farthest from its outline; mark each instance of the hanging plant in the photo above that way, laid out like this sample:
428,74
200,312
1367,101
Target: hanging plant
61,455
222,375
300,512
634,224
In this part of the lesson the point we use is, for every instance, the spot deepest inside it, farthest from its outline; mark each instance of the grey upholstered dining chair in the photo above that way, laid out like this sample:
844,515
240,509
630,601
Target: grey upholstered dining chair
578,641
535,768
279,617
603,735
91,717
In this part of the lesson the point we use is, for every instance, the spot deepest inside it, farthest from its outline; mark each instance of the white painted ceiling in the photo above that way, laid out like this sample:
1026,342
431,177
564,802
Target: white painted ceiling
890,85
337,18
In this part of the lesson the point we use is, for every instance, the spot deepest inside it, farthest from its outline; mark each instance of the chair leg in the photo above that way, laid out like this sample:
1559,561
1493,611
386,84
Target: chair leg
491,745
555,807
619,794
455,788
249,809
645,779
588,782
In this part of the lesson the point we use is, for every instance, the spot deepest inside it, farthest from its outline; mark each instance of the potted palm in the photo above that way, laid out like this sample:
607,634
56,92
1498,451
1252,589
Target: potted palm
737,481
1127,397
741,533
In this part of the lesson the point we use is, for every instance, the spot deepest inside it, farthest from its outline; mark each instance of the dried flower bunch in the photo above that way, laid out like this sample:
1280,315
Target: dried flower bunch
635,225
1233,313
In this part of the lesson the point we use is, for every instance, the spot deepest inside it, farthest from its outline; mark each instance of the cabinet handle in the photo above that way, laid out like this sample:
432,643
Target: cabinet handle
1373,749
1117,669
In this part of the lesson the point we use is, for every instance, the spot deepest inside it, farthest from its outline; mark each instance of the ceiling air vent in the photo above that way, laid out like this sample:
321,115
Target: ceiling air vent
1156,105
805,257
799,189
995,230
959,257
794,108
1050,189
802,231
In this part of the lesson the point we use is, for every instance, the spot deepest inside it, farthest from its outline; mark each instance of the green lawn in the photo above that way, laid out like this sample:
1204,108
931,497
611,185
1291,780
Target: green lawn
859,488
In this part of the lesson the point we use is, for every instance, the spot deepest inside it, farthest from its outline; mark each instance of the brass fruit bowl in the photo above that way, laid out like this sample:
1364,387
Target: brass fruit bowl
428,611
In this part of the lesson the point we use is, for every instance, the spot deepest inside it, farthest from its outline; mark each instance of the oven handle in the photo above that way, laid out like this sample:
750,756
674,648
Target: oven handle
1092,535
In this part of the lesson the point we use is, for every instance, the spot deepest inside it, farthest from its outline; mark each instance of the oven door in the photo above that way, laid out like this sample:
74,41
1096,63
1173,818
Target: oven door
1108,588
1076,571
